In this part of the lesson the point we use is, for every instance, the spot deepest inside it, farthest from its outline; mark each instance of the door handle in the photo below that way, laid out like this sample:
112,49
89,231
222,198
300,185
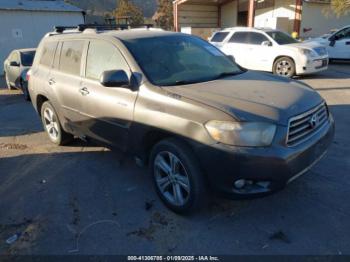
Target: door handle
52,82
84,91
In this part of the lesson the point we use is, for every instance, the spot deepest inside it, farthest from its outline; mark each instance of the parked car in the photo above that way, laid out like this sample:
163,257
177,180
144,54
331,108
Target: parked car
181,106
16,67
271,50
337,44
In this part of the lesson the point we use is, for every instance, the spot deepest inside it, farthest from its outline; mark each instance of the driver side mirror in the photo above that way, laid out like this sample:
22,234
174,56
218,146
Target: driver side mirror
332,40
14,63
266,43
115,78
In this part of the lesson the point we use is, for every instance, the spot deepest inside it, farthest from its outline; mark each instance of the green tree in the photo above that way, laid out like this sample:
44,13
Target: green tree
340,7
164,15
126,10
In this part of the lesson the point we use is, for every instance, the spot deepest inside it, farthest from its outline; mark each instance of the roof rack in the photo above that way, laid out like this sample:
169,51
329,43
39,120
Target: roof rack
82,27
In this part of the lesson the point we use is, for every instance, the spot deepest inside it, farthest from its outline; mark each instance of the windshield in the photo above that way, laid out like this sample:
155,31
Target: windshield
27,58
282,38
179,59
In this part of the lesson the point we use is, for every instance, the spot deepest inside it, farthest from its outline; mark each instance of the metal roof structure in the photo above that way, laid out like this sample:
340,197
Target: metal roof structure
38,5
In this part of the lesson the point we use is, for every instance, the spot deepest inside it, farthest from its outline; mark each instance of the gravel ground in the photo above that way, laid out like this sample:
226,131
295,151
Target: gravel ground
83,199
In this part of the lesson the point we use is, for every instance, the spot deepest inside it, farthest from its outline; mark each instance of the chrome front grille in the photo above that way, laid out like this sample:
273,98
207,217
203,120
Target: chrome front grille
303,126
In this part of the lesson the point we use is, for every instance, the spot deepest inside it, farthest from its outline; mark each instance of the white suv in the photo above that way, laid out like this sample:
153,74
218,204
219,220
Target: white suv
271,50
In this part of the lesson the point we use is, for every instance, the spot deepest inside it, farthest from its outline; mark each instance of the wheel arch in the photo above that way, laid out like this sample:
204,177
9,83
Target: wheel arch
153,137
40,100
280,56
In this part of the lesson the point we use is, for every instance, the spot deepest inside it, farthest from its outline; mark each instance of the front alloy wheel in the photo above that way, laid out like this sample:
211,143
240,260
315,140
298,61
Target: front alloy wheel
284,67
177,177
172,179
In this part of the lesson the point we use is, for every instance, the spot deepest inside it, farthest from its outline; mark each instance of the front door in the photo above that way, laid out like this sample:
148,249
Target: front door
340,49
237,47
109,109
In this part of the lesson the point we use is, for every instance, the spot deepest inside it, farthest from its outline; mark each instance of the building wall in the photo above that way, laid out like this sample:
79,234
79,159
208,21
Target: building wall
316,18
205,16
229,15
24,29
280,16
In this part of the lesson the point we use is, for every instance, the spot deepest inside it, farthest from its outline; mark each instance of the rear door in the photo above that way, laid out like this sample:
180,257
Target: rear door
259,57
65,82
237,47
40,73
109,109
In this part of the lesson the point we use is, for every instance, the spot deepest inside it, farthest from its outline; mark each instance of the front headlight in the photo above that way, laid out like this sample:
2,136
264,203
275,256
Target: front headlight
253,134
308,52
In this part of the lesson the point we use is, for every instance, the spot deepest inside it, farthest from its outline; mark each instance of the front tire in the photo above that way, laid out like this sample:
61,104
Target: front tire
52,125
284,66
177,176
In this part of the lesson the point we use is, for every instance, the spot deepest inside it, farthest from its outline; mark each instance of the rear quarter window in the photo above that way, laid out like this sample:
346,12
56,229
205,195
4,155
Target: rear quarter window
48,53
219,37
71,54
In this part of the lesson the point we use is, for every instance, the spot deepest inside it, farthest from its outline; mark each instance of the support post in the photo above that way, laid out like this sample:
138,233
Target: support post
251,13
298,13
176,24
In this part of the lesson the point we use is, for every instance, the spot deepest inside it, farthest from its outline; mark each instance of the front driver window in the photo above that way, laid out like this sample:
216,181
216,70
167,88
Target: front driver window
103,56
343,34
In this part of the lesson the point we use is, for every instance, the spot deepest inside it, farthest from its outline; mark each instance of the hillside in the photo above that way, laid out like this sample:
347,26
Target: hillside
101,6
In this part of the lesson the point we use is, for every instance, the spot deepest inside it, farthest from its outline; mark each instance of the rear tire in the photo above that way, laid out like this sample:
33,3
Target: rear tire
177,176
284,66
52,125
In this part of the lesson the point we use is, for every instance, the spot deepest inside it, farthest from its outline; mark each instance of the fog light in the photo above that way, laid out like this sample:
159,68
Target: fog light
239,184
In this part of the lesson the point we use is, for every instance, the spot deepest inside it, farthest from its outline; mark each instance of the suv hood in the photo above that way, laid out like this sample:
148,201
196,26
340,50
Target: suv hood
307,45
253,96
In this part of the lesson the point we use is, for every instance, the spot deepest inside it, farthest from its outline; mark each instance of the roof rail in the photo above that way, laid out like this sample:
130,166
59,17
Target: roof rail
61,29
82,27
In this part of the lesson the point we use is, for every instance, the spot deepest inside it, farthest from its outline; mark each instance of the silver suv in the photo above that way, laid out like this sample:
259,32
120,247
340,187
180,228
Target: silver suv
181,106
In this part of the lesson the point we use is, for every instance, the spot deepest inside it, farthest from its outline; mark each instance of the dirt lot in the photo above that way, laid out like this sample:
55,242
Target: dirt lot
83,199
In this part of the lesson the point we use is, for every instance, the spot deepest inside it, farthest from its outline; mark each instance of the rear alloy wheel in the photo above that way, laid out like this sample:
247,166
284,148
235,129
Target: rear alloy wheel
284,66
52,125
177,178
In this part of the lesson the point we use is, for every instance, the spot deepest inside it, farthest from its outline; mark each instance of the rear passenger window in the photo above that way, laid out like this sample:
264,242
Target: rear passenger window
103,56
71,54
219,37
256,38
239,38
48,53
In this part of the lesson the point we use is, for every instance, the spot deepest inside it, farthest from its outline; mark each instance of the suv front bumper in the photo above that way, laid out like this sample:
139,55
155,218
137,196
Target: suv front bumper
310,66
264,169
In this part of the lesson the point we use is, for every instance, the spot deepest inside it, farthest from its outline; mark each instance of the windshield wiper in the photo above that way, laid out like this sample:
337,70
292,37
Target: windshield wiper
226,74
184,82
